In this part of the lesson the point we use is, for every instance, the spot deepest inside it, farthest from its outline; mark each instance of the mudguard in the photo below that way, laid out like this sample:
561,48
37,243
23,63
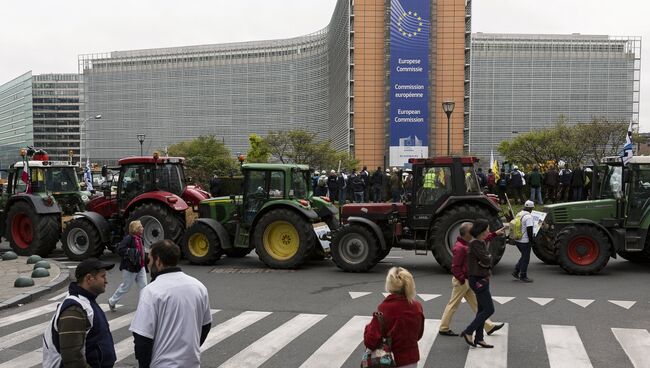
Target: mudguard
375,228
221,231
100,223
170,199
36,202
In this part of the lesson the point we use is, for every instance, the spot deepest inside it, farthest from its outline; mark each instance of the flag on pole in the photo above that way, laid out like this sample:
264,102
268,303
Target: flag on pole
495,170
628,148
491,158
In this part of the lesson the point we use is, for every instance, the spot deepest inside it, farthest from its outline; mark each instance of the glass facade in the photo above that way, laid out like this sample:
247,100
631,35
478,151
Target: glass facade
16,128
524,82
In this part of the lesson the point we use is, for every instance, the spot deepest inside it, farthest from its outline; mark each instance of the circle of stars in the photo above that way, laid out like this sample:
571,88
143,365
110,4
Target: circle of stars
404,17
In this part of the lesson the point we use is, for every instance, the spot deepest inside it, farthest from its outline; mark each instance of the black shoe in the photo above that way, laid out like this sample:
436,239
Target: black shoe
496,328
515,274
526,279
447,333
483,344
468,339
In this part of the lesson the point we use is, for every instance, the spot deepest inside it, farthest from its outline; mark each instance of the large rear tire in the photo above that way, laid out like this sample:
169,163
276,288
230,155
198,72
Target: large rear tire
159,223
81,240
544,248
446,227
354,248
29,233
201,244
283,239
582,249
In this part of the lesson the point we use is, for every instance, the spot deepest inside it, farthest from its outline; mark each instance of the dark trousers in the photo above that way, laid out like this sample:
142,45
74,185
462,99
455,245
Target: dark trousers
576,193
502,195
522,266
481,287
564,193
358,197
551,192
342,193
519,194
395,196
376,194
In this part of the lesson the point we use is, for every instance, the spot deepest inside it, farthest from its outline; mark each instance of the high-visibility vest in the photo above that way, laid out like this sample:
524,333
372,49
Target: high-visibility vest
430,180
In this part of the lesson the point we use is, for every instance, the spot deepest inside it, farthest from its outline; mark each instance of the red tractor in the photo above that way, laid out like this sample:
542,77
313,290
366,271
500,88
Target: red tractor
445,193
149,189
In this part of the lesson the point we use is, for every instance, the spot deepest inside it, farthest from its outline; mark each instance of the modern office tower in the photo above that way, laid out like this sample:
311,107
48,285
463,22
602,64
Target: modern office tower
16,128
525,82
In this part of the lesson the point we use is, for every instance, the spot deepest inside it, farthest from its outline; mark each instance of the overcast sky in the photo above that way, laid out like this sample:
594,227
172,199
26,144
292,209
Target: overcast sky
47,36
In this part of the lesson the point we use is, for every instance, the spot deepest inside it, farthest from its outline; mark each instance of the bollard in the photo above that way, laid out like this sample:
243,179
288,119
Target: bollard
23,281
8,256
42,264
40,272
33,259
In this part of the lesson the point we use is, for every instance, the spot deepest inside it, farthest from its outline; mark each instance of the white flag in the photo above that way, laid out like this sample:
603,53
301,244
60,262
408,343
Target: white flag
628,147
491,158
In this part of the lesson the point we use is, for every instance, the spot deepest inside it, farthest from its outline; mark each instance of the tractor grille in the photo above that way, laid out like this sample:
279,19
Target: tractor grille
561,215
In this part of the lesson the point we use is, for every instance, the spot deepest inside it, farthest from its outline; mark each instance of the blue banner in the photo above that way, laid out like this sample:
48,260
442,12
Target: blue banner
409,80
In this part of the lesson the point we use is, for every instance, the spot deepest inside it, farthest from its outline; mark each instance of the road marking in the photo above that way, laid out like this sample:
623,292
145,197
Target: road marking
31,359
385,294
226,329
14,318
636,344
261,350
627,304
541,301
431,327
584,303
564,347
358,294
502,299
427,297
59,296
336,350
493,358
393,257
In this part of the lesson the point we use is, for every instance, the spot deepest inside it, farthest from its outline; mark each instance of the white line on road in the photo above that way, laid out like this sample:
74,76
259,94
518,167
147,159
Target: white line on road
226,329
336,350
431,327
564,347
30,313
493,358
636,344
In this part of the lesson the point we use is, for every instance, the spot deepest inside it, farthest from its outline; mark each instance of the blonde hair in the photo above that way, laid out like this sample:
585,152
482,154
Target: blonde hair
400,281
134,226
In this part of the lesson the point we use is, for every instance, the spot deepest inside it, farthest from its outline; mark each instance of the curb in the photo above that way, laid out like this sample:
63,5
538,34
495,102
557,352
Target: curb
32,295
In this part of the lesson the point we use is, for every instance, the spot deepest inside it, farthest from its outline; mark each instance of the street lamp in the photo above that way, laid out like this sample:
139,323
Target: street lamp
448,108
82,131
141,140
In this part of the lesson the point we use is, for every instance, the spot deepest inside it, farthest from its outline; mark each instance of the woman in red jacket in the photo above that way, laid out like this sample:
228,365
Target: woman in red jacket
403,318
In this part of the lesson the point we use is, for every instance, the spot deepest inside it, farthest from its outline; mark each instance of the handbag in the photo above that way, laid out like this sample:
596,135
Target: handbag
383,356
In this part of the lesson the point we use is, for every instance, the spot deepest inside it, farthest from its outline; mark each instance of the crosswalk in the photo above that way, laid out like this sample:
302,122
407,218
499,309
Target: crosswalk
273,332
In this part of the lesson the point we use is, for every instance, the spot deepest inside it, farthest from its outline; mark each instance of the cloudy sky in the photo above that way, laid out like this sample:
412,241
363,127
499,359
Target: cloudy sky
47,36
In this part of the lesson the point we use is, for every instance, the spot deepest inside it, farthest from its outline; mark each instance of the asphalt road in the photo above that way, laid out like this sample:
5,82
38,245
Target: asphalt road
294,313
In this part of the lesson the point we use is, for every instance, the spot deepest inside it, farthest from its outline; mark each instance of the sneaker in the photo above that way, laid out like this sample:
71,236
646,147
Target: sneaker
515,274
526,279
112,307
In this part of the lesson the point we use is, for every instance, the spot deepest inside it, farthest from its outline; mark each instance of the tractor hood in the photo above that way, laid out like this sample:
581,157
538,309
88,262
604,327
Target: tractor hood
370,210
565,213
193,195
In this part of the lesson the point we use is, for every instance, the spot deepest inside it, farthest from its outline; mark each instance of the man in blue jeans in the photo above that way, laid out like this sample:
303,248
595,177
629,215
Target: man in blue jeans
525,244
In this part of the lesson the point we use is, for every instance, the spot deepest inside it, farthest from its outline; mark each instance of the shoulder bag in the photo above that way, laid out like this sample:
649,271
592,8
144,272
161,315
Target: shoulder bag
383,356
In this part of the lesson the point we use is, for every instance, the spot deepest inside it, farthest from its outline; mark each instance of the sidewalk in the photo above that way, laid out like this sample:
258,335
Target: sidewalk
11,296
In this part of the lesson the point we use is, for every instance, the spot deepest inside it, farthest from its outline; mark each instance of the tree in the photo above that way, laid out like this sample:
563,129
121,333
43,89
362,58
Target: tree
260,150
204,156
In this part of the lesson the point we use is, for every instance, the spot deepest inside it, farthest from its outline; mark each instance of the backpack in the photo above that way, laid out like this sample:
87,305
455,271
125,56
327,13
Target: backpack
515,226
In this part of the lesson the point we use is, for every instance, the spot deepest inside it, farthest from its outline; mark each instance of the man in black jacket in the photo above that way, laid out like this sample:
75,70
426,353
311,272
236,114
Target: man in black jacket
376,182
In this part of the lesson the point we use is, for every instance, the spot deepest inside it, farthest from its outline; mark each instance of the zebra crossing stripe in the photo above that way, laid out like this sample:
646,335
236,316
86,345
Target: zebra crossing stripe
226,329
493,358
31,359
431,327
636,344
564,347
261,350
14,318
336,350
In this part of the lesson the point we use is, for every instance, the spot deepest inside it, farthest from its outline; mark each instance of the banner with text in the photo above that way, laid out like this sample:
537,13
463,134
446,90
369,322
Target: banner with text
409,80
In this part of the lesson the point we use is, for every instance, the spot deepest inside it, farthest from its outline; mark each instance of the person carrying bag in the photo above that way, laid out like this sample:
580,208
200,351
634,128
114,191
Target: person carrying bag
383,356
132,264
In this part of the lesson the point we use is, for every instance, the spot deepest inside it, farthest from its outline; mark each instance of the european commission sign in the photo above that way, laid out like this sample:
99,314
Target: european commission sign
409,80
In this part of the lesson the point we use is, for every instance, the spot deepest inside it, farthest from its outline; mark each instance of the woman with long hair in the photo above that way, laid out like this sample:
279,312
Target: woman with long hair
132,263
403,319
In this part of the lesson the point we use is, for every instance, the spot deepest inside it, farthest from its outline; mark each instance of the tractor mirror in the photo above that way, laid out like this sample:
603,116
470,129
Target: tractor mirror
104,171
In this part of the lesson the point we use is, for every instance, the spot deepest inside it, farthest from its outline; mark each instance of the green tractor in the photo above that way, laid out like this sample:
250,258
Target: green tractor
584,235
277,215
35,203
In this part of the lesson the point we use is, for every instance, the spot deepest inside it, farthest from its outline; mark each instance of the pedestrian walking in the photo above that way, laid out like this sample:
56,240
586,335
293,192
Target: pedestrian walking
215,185
376,182
403,319
577,184
132,263
332,186
479,263
78,334
565,183
517,184
551,182
173,317
535,182
460,285
524,240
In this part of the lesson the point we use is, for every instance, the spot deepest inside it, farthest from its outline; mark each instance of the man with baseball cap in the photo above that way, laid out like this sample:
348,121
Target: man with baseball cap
78,334
525,243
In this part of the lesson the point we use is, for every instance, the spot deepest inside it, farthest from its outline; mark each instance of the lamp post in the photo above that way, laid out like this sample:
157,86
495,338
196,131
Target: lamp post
448,108
141,140
82,130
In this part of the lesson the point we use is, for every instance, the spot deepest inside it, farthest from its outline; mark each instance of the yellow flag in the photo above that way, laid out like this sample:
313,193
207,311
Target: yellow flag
495,170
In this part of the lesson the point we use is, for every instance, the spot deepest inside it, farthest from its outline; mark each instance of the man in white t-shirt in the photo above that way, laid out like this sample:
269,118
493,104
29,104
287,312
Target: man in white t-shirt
526,242
173,316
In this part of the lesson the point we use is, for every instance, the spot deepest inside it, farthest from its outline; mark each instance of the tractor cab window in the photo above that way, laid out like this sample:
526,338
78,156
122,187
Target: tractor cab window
37,179
133,182
432,183
170,178
19,184
255,194
639,192
276,186
613,183
299,184
471,180
61,179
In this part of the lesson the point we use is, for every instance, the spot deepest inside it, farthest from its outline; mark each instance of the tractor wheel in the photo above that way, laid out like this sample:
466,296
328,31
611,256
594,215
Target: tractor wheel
544,250
159,223
237,252
283,239
582,249
29,233
81,240
383,253
201,244
354,248
446,228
